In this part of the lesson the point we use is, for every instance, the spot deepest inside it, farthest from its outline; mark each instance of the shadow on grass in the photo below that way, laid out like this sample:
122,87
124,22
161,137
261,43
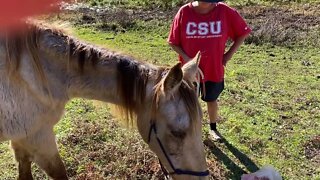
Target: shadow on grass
235,169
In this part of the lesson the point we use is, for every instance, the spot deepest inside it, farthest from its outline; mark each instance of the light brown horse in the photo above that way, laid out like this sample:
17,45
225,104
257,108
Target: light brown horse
42,69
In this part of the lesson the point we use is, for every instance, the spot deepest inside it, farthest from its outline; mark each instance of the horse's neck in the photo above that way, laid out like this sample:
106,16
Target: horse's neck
97,82
66,80
63,74
100,82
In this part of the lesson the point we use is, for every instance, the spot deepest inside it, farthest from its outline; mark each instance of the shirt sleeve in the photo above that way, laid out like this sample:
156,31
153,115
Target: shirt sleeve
175,32
237,25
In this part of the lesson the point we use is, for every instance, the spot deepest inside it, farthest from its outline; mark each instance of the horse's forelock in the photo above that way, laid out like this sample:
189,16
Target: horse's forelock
188,96
192,104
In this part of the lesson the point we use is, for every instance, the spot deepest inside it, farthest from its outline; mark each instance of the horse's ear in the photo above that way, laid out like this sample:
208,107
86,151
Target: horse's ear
190,69
173,79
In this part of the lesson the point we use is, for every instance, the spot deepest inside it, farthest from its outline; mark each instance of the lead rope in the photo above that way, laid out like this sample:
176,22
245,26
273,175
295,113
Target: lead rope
200,78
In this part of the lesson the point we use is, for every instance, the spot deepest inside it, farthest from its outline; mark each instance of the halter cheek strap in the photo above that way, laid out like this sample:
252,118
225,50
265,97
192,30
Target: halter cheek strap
175,170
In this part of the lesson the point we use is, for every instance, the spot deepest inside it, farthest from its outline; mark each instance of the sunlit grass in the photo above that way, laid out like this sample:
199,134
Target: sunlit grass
265,101
271,105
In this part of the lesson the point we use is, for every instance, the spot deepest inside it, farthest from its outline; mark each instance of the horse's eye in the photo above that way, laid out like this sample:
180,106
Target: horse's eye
178,134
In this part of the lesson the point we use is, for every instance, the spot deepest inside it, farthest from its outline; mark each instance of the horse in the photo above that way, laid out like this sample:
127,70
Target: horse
42,68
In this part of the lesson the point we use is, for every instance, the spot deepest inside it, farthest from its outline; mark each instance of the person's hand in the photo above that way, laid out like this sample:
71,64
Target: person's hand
226,57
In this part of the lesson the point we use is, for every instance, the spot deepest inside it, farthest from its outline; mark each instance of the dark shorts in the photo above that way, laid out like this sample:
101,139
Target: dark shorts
213,90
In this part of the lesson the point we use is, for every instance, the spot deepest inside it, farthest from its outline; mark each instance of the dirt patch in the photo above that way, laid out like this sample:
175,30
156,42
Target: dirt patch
114,19
279,25
282,25
110,152
94,155
312,149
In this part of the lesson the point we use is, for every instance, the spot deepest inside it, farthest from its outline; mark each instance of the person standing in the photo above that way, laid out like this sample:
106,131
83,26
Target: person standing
206,26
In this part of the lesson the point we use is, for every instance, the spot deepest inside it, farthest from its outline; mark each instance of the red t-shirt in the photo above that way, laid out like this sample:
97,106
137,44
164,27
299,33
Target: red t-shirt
207,33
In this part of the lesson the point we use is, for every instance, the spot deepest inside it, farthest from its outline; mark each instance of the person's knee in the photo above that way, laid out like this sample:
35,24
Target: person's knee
212,104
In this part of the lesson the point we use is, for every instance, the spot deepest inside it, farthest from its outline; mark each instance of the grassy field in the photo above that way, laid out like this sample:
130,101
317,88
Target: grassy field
270,106
271,102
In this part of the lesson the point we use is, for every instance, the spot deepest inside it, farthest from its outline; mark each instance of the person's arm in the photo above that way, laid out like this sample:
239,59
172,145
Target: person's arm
179,50
233,49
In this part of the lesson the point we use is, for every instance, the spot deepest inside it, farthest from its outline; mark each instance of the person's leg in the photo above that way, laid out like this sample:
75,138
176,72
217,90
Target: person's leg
213,117
213,90
213,111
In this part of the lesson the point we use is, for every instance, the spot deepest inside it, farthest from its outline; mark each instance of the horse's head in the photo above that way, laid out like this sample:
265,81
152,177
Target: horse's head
173,131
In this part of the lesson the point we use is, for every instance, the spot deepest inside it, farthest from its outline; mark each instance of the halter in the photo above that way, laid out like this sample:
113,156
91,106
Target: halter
175,170
154,129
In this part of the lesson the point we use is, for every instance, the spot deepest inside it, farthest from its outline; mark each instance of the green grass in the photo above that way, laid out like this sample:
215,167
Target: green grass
267,104
271,101
271,105
151,43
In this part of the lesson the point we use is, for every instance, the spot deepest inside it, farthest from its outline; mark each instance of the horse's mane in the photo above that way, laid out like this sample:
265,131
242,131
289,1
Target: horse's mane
132,75
38,36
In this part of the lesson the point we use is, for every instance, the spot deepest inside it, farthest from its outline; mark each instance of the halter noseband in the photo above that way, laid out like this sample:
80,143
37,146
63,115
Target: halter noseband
175,170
